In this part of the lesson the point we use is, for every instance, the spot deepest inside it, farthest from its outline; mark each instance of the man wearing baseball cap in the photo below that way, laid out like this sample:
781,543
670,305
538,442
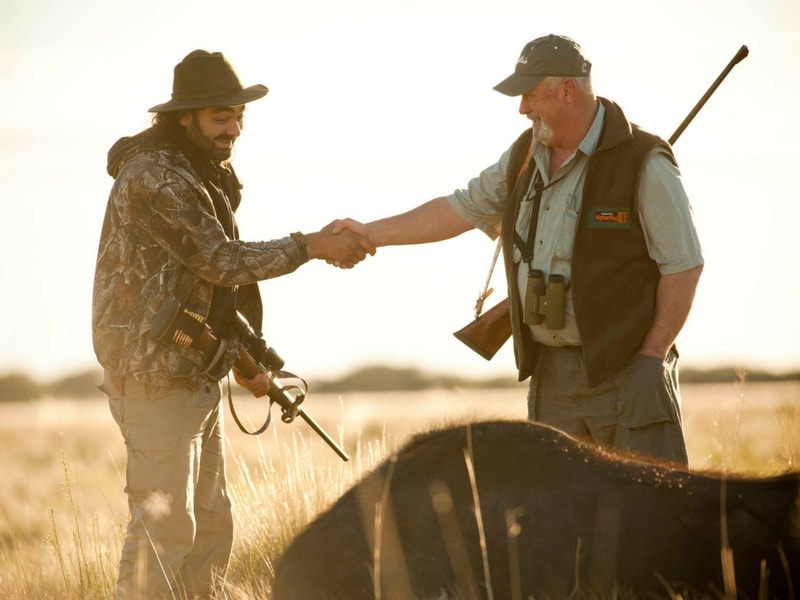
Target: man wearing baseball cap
601,254
170,235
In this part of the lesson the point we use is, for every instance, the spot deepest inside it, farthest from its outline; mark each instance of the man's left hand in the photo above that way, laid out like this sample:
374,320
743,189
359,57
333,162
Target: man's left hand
258,385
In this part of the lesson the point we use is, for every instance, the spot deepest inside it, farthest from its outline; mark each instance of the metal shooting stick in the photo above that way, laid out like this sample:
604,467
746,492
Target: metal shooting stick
740,55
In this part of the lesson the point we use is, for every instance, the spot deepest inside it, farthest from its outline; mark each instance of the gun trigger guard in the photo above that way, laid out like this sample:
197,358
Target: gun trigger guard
300,388
288,414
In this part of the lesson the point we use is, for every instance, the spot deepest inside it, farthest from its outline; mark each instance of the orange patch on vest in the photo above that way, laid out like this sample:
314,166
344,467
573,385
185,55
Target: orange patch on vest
605,216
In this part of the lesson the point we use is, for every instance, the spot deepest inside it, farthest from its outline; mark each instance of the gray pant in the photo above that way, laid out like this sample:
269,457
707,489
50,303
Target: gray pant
636,410
181,529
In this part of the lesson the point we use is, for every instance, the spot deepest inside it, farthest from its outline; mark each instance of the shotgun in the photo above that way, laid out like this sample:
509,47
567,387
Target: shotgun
487,333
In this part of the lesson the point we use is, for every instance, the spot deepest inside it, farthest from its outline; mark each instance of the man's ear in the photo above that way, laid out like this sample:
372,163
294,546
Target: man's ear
569,89
185,117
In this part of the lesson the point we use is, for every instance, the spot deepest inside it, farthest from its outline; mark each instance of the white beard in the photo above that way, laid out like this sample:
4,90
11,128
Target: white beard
543,133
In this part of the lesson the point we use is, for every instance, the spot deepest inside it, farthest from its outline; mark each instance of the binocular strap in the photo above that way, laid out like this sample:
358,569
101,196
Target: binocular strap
527,245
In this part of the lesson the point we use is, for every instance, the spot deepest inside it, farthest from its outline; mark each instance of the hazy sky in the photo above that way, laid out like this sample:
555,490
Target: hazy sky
373,108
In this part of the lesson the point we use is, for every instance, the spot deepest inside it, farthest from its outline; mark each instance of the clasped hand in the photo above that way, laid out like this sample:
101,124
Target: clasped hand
340,246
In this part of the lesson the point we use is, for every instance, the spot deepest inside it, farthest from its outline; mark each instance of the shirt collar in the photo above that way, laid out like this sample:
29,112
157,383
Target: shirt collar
587,146
590,142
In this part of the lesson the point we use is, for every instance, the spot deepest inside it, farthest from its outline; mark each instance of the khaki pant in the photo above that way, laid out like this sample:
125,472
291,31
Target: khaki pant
180,533
636,410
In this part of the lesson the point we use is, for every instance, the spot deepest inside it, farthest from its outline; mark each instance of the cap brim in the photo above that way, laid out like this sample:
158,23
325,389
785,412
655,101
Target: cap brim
516,85
254,92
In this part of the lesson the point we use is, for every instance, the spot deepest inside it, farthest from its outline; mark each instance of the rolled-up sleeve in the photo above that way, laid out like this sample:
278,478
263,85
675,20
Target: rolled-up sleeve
483,201
666,216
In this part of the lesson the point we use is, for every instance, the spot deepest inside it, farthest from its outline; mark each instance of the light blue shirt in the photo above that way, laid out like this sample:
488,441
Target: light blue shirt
664,212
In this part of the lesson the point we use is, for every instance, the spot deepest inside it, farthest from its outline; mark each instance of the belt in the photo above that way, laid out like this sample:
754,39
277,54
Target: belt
572,348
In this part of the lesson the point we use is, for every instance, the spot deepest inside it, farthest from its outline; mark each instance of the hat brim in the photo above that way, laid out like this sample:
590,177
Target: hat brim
516,84
254,92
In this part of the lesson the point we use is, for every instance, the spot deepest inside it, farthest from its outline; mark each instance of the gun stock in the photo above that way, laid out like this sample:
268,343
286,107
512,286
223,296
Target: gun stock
487,334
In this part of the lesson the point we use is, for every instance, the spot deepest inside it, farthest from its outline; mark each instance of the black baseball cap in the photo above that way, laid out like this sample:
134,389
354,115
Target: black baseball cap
548,56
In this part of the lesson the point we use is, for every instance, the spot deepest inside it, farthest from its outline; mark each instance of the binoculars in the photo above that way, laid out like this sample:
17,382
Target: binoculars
544,302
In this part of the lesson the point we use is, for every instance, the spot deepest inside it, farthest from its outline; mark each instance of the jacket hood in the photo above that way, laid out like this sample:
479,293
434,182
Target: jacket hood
124,149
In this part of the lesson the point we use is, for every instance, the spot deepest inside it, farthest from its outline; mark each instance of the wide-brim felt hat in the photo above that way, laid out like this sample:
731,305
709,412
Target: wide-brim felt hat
205,78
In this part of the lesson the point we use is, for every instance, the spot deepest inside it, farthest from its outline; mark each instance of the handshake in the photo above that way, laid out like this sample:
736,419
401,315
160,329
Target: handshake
341,243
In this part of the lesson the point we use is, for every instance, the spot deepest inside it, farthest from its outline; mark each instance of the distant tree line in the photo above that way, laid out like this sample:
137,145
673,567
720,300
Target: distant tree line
390,379
20,387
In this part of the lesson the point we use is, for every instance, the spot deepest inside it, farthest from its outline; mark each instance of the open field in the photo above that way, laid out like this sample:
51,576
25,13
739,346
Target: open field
62,506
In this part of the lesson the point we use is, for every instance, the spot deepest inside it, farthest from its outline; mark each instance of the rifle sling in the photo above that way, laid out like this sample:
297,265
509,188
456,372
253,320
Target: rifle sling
258,431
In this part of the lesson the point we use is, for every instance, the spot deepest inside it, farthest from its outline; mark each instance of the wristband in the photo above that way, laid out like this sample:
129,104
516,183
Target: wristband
302,245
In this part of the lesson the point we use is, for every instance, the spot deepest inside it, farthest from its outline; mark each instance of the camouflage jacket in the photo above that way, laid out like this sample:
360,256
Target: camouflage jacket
161,238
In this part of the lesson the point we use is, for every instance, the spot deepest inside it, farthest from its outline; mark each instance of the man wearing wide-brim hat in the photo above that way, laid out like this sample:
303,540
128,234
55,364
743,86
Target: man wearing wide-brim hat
170,235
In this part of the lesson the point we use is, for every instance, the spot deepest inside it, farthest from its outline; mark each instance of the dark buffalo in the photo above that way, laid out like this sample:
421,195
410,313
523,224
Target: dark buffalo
556,518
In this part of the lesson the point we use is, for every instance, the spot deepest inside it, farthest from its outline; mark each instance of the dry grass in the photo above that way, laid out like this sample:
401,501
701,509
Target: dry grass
63,509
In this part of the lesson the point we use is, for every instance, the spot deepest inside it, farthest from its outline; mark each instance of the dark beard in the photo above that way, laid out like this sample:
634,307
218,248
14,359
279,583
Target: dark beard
205,144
